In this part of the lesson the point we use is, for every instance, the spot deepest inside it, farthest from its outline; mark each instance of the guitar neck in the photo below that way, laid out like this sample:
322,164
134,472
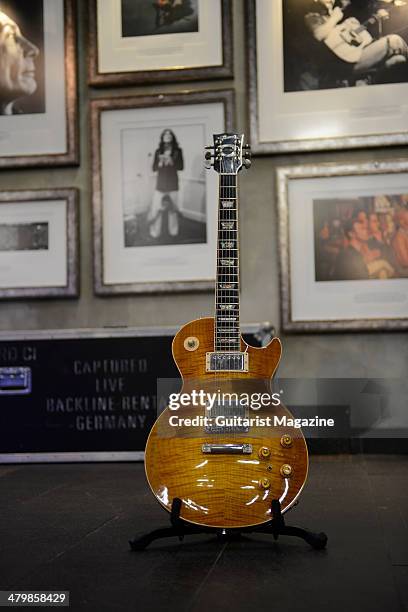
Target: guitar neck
227,327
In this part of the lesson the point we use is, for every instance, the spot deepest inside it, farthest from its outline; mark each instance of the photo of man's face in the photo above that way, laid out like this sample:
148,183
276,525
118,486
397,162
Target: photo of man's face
21,58
17,64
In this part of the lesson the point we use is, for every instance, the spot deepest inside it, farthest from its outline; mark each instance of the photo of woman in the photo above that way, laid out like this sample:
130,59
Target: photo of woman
168,160
163,186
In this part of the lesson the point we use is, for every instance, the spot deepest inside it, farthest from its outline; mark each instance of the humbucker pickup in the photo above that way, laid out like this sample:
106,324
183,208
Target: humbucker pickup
226,362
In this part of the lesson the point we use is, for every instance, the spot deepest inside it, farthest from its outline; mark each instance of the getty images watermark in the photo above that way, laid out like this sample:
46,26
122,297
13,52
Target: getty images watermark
222,408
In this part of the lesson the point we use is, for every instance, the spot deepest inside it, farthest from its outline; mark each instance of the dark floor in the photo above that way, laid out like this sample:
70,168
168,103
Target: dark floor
66,527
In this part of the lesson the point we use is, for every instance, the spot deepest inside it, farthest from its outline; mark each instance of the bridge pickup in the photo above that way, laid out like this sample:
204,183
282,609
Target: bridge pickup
227,362
227,449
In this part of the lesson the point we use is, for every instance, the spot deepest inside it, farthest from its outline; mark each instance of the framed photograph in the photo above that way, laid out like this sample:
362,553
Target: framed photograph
154,204
343,232
151,41
38,87
326,74
39,244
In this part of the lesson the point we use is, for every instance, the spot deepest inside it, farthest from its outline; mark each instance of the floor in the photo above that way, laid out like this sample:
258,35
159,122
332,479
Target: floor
67,526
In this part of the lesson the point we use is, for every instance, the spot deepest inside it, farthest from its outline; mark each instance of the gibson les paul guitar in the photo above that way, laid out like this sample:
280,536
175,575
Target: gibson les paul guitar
221,456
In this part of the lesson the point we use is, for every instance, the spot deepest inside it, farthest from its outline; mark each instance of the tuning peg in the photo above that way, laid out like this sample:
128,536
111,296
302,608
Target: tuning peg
208,155
247,163
209,147
208,164
247,146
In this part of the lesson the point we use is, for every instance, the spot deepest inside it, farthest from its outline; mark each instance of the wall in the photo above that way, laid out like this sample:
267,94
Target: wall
327,355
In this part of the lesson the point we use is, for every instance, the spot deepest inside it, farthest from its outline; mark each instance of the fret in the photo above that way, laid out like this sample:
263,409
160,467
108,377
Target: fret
227,329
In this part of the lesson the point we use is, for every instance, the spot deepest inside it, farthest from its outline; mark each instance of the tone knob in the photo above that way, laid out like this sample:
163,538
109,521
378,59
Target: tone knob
264,452
286,440
264,483
191,343
286,470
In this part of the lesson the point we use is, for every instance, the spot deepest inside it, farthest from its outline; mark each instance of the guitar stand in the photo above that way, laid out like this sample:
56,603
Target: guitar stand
181,528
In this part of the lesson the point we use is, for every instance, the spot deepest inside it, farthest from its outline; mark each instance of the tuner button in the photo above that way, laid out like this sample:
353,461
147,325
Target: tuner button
208,155
247,163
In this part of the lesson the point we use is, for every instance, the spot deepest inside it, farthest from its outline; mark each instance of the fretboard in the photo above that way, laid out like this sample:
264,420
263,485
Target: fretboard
227,328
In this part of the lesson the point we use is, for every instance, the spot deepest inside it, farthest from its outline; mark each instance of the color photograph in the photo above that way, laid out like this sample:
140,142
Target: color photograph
146,18
362,238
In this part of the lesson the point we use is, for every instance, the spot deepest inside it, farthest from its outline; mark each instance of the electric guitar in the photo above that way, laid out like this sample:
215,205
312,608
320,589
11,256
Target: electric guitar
221,456
348,38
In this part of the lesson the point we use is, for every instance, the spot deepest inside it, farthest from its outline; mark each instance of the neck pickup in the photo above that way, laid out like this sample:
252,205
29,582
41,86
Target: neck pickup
227,362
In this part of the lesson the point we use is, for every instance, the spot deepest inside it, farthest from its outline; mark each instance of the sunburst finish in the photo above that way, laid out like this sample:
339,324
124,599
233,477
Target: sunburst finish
223,490
248,467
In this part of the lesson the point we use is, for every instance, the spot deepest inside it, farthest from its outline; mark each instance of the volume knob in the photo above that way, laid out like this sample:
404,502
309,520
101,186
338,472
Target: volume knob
264,452
286,470
264,483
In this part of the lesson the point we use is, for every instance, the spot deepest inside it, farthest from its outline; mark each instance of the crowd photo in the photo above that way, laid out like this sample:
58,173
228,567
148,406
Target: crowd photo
361,239
344,43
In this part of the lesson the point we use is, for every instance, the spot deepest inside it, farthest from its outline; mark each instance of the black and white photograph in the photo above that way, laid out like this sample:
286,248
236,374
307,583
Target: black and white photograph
39,244
362,238
22,87
343,238
158,41
164,199
38,83
327,74
154,203
24,236
146,18
344,43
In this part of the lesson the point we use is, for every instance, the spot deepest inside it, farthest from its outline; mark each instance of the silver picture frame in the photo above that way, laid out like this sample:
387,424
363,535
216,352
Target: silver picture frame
98,108
308,120
69,73
97,78
70,197
287,176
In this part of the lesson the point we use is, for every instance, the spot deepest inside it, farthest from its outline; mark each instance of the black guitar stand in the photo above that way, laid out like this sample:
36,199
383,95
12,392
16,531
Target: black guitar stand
275,527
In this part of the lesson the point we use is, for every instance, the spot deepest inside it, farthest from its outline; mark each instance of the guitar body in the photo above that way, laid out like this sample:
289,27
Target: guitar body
348,39
224,490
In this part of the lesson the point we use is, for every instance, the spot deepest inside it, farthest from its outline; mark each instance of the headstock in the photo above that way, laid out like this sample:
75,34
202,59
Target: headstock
228,153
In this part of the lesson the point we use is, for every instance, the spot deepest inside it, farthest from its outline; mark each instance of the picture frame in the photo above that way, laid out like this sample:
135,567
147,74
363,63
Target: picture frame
39,244
40,129
111,60
315,104
149,238
334,275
